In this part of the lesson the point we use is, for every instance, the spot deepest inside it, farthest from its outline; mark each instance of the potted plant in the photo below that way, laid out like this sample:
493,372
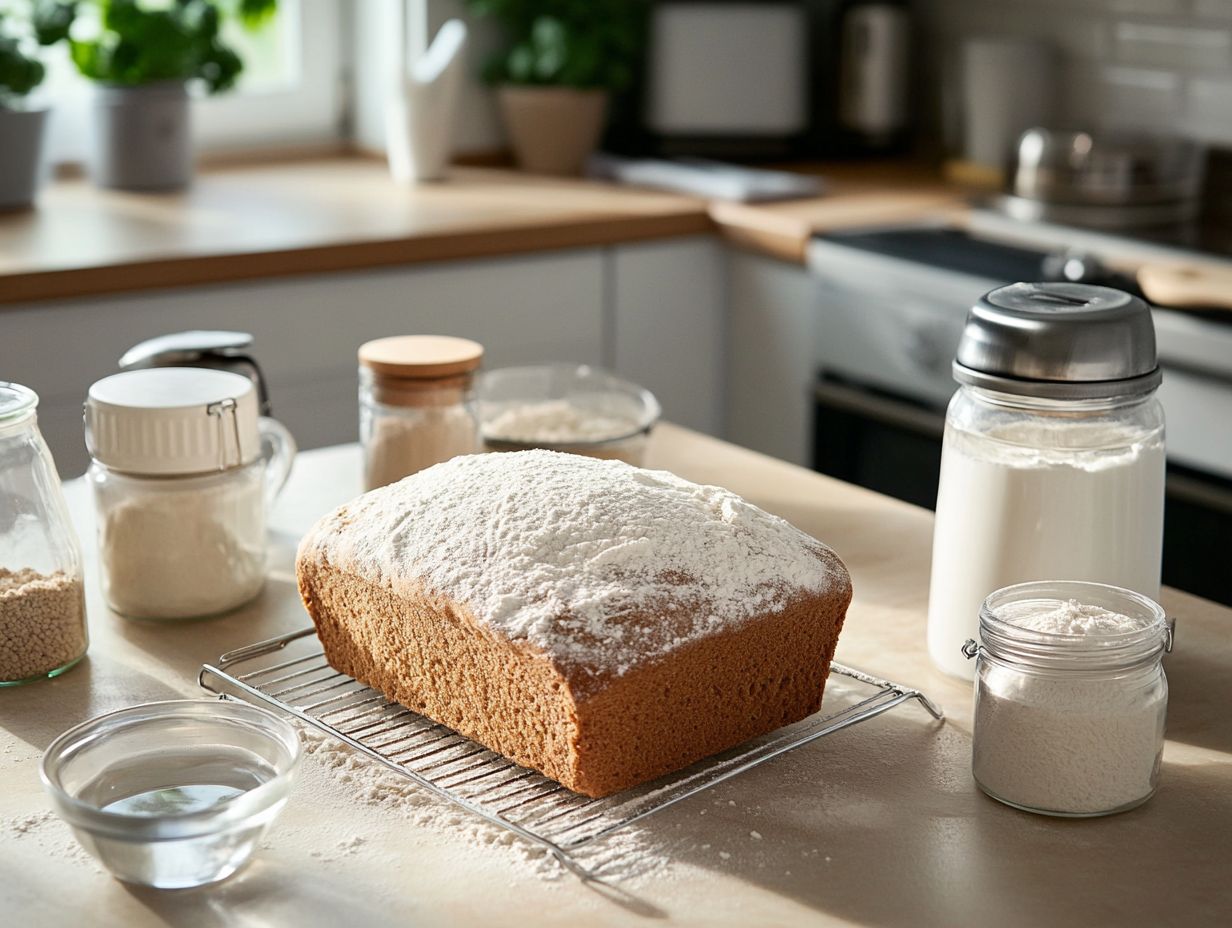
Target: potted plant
22,125
561,61
142,59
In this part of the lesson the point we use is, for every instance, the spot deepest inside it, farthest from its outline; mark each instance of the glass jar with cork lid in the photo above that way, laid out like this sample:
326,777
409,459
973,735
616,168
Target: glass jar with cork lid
416,404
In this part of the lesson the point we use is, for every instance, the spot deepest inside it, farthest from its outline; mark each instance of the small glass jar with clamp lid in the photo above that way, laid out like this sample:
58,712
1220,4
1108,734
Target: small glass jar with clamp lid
184,471
416,404
1070,697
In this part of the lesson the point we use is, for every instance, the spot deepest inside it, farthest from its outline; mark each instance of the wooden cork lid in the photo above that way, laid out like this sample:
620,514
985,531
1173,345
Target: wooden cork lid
421,356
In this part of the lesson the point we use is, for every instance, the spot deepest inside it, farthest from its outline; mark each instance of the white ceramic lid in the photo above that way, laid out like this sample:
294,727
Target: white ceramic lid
172,420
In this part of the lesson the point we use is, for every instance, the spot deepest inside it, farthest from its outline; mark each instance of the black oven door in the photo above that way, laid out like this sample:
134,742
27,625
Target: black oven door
877,439
892,444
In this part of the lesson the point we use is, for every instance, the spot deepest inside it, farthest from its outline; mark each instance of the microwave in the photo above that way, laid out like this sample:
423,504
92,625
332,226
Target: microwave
768,80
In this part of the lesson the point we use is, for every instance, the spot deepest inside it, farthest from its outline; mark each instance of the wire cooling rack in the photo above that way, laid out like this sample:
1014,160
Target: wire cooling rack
290,673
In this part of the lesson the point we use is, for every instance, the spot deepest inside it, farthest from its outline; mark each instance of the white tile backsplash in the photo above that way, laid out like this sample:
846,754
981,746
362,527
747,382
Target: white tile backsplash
1177,47
1209,110
1161,65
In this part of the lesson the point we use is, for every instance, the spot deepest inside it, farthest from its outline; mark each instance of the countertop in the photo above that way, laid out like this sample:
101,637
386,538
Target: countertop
877,825
345,213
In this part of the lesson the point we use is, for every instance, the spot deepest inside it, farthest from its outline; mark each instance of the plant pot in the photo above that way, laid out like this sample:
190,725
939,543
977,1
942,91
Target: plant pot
143,138
553,129
21,155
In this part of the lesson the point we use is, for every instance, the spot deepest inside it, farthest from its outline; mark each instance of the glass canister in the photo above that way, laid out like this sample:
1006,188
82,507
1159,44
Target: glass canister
183,472
42,597
1070,697
1053,457
416,404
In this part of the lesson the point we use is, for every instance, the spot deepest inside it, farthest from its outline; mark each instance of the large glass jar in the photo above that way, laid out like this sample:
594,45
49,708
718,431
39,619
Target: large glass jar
1070,697
416,404
1053,457
42,597
183,474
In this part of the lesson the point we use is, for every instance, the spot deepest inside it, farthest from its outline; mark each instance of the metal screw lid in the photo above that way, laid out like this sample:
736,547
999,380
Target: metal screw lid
1059,341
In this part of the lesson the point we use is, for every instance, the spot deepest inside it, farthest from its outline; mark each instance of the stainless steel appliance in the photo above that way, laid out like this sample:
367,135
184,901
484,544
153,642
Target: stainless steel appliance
766,80
1110,180
893,305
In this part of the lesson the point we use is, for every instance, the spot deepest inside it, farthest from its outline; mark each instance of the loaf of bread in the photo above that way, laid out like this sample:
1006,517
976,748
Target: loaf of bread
597,622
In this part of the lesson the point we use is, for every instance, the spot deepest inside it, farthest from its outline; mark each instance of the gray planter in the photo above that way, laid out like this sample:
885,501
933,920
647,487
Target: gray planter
142,137
21,155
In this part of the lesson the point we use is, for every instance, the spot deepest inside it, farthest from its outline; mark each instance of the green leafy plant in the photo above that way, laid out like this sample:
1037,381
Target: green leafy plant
569,43
20,35
132,43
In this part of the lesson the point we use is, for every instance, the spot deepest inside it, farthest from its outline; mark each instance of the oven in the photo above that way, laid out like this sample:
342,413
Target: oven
892,308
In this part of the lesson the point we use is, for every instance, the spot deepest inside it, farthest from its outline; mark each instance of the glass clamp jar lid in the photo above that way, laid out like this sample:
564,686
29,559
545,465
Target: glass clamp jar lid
184,471
1070,697
1059,341
176,420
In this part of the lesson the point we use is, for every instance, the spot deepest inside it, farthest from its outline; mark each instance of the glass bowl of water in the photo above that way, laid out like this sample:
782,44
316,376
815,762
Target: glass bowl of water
173,794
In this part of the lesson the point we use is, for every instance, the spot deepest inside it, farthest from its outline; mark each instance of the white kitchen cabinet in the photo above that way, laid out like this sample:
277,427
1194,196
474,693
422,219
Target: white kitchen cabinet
667,325
773,320
524,310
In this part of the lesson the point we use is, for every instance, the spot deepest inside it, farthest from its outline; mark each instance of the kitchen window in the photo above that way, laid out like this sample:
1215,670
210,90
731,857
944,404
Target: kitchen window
291,91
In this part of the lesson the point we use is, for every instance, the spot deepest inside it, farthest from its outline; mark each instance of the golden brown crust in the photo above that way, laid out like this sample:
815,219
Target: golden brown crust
432,656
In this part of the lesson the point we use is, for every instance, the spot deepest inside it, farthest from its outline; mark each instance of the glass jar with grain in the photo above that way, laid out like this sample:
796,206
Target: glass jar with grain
42,597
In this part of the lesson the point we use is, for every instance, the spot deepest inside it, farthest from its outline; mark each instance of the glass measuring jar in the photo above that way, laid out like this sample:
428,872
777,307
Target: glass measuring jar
42,597
1070,697
184,472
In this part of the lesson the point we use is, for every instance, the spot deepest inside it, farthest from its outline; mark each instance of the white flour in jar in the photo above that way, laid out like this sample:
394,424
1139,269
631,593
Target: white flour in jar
1067,742
401,445
1009,512
181,553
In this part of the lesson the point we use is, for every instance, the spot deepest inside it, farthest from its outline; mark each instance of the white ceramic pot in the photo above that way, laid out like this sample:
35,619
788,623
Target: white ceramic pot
21,155
553,129
143,137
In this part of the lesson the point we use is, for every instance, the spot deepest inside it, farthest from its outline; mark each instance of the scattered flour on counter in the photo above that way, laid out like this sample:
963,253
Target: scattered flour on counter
51,835
625,855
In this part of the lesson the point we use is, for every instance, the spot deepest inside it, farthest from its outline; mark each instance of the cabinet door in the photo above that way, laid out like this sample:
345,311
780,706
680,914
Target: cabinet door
524,310
771,350
667,319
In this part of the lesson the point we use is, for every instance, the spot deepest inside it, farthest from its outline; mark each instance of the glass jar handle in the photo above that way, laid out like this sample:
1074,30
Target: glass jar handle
278,451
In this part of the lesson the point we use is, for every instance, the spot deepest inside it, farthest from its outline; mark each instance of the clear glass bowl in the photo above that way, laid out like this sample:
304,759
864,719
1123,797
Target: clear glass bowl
173,794
566,407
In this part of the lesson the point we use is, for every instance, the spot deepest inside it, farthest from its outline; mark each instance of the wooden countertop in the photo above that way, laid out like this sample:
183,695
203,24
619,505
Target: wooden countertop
345,213
877,825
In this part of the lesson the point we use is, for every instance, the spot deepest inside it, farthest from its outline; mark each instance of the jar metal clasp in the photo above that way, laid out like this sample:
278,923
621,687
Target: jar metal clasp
970,648
1169,636
229,405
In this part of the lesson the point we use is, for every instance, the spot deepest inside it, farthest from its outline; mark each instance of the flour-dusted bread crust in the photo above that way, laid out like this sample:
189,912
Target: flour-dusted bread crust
597,622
